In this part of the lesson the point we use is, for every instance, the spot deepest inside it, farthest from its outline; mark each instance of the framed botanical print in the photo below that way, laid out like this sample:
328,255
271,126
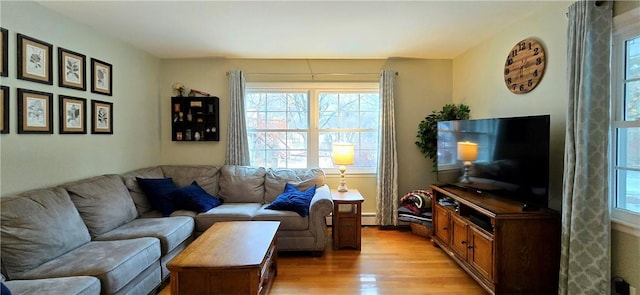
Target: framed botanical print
101,117
101,77
73,115
71,69
4,109
4,52
35,110
35,60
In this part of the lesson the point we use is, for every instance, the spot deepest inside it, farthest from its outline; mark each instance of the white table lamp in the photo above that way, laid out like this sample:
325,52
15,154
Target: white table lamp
467,152
342,154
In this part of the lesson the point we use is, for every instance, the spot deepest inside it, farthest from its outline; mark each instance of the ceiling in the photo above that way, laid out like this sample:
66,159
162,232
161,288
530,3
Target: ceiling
299,29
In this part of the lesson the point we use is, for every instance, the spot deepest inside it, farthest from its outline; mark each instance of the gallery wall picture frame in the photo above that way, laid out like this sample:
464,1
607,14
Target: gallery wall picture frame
73,115
35,60
101,77
35,112
72,69
101,117
4,52
4,109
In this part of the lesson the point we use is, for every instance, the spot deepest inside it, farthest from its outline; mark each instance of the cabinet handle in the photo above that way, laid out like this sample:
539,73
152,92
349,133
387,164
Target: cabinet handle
445,228
463,242
470,246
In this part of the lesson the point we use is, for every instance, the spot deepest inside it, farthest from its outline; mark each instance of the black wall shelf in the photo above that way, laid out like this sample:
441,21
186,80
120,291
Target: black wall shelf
195,118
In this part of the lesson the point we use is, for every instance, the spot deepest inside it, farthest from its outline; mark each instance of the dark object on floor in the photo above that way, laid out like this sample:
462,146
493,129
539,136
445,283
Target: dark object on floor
415,208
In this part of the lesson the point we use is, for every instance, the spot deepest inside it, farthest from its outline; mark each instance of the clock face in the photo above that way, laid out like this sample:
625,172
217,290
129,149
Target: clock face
524,66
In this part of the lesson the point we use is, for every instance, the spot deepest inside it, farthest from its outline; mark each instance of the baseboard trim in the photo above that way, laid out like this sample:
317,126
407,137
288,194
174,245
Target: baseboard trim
369,219
366,219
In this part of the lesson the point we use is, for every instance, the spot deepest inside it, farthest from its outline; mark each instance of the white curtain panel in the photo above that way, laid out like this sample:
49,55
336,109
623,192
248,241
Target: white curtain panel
237,141
585,260
387,176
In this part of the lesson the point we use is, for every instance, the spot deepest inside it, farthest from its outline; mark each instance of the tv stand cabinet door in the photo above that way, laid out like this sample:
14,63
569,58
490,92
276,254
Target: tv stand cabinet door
441,223
481,252
459,237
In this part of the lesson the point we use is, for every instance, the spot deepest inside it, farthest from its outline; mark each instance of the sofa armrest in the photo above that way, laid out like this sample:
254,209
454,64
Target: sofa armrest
321,204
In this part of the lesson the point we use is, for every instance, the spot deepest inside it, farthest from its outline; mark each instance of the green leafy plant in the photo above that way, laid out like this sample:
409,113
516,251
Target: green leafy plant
428,129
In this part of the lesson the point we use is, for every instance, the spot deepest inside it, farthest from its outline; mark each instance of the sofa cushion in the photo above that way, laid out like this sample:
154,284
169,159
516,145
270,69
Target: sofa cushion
194,198
170,230
114,263
184,175
38,226
137,194
276,178
80,285
103,201
294,200
289,220
226,212
242,184
159,191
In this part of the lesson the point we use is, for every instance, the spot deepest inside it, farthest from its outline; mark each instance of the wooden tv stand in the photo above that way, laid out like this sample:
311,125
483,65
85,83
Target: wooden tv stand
505,249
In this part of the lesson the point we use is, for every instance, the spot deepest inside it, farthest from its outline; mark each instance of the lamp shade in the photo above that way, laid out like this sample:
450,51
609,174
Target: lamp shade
467,151
343,153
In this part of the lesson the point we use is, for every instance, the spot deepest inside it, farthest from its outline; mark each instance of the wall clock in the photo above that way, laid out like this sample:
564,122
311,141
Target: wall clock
524,66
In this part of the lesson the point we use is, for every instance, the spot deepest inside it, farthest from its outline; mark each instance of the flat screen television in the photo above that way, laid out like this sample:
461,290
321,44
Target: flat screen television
511,157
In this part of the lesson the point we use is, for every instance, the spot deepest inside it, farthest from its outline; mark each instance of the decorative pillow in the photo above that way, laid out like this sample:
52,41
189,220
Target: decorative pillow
302,178
195,198
294,200
137,194
4,290
159,190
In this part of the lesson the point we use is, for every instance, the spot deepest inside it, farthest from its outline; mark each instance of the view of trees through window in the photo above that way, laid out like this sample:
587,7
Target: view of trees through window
628,132
296,128
349,117
278,125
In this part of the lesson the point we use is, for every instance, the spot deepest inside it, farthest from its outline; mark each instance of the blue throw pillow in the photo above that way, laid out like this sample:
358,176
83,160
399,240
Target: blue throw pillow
4,290
158,191
294,200
194,198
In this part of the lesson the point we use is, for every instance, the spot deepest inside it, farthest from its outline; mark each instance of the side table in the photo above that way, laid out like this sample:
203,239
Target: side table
347,219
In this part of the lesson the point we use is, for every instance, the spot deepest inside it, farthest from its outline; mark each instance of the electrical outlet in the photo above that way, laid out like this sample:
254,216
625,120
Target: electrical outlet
632,291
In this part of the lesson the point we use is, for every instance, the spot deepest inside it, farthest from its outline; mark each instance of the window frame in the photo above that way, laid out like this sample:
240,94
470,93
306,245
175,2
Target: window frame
313,89
625,27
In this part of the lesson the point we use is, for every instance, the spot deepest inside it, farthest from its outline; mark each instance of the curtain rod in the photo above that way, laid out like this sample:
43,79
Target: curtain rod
312,74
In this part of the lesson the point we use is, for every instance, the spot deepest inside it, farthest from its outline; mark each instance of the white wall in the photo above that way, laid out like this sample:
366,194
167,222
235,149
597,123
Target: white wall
478,81
34,160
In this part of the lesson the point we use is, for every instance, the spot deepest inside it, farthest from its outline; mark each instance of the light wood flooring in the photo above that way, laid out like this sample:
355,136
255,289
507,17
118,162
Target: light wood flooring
390,262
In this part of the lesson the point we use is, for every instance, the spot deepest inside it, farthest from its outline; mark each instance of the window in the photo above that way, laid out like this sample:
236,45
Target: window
293,125
625,120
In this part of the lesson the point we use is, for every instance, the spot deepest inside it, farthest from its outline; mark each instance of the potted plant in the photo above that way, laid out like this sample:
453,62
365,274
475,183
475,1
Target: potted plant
428,129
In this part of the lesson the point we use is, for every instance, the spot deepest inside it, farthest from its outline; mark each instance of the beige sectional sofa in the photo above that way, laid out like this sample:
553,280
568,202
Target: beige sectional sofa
100,235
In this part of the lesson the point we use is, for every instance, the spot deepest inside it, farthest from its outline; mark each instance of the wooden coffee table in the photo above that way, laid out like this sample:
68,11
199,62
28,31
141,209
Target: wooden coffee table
237,257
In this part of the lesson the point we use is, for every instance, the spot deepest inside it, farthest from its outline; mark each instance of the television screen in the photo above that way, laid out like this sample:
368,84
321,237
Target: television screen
508,157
